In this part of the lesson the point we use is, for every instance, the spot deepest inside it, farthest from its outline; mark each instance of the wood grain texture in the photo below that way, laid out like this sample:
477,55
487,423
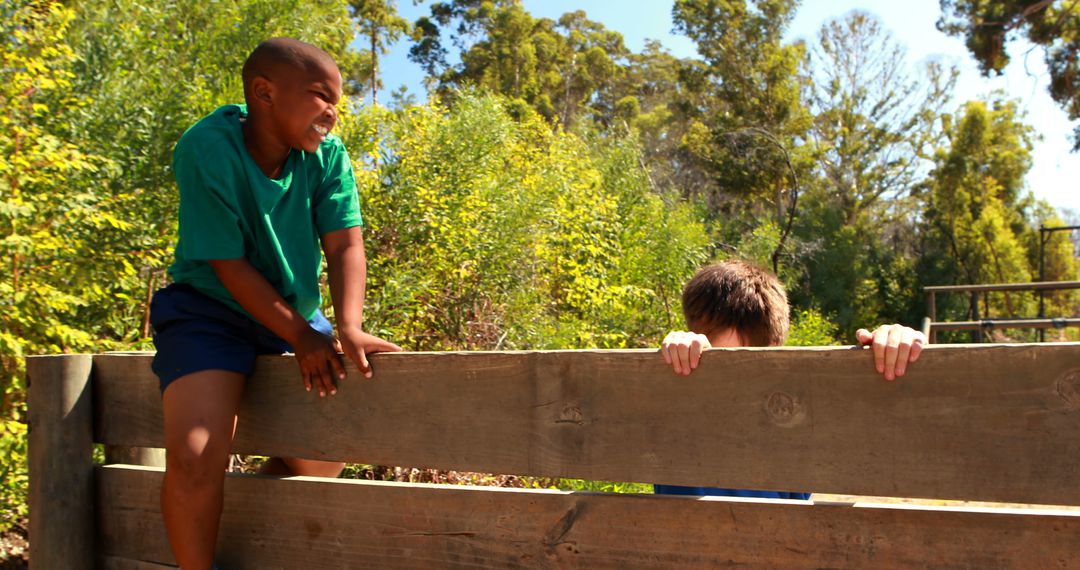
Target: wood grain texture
61,496
147,456
114,563
992,423
316,524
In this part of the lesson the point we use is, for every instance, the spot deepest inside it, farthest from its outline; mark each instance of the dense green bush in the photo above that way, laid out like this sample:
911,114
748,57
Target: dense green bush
486,231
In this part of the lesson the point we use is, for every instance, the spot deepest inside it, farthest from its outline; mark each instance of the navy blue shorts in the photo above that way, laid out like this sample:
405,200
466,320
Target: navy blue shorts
193,332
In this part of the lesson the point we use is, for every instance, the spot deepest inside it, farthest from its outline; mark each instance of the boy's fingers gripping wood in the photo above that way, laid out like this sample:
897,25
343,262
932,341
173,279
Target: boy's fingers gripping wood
892,350
338,368
315,367
894,346
665,347
917,346
318,372
326,372
684,358
358,344
879,343
676,361
695,353
903,352
382,345
363,364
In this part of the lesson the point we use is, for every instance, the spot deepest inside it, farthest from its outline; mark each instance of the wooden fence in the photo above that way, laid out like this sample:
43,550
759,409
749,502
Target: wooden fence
980,324
977,422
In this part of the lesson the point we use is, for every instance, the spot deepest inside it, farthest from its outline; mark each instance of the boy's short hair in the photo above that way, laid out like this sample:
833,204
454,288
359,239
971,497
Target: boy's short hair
277,53
737,295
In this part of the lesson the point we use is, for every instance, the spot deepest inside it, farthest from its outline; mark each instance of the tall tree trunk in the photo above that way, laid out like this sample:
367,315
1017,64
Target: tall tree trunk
374,67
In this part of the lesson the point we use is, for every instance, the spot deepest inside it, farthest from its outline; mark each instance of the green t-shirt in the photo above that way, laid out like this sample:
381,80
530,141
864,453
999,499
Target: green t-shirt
230,209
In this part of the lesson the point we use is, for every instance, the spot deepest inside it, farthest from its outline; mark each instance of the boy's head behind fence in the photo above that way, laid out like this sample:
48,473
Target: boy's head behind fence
736,296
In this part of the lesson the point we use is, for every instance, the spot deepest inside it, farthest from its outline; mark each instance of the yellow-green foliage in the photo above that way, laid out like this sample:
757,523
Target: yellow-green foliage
811,328
13,475
488,231
1060,264
41,219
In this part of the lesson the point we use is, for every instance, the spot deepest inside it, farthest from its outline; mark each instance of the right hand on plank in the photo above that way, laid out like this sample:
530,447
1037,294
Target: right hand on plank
320,363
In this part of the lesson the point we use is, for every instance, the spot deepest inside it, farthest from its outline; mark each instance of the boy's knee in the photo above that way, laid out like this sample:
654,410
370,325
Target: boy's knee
196,467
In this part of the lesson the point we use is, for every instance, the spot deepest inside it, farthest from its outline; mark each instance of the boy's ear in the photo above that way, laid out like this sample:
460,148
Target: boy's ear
263,90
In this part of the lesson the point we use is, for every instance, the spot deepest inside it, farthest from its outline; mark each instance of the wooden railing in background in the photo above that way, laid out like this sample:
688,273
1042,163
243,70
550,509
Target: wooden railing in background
931,325
970,422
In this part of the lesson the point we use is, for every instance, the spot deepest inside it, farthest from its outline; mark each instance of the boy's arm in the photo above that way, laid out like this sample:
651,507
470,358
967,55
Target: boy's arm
347,265
894,346
314,351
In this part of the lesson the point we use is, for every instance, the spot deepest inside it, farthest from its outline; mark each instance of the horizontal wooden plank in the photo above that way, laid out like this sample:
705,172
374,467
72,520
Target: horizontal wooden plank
1035,286
114,563
312,524
1005,324
991,422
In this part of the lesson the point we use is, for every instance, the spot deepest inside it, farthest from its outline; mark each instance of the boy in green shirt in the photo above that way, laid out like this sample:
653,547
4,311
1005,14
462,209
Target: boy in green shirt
262,185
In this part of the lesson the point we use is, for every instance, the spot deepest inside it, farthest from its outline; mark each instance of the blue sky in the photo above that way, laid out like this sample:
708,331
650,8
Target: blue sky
1055,175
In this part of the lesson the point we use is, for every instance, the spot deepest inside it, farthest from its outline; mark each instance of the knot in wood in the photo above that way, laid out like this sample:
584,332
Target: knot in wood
570,415
784,409
1068,387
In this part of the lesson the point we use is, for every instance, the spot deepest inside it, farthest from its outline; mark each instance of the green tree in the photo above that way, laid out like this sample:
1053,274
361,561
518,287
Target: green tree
975,206
873,121
592,61
987,26
747,114
563,69
651,100
875,126
381,25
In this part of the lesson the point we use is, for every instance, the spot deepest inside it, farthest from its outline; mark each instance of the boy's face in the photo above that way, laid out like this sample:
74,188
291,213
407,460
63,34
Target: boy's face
303,106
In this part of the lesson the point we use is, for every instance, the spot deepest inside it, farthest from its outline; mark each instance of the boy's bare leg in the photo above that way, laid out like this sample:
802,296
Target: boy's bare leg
200,420
289,466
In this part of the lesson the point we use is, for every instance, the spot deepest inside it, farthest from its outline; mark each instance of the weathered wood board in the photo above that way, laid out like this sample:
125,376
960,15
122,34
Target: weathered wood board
993,423
318,523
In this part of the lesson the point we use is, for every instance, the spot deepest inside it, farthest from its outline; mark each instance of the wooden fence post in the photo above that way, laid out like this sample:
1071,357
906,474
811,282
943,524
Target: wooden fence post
931,312
61,462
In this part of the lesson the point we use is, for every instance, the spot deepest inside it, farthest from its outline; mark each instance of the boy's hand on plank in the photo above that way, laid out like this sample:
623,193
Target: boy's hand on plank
682,350
894,346
320,363
357,344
